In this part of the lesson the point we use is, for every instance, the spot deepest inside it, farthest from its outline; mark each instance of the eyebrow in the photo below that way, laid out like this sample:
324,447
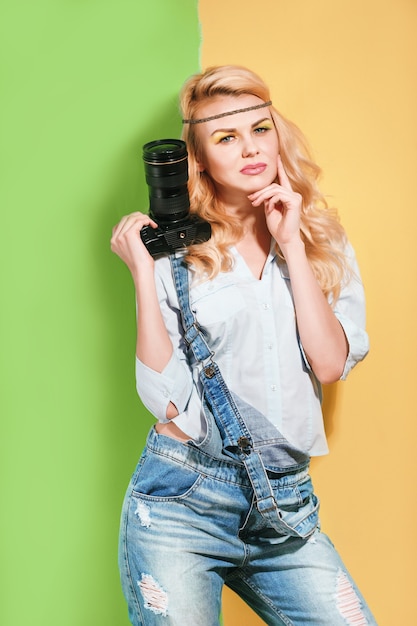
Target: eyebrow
233,130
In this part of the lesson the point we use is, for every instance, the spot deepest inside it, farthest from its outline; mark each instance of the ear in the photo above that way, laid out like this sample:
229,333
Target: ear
200,166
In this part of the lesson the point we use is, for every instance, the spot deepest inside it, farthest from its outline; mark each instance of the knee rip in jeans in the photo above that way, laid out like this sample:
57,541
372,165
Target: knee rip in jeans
155,598
348,603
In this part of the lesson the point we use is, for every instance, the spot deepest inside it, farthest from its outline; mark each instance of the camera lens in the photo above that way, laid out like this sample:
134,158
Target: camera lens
166,172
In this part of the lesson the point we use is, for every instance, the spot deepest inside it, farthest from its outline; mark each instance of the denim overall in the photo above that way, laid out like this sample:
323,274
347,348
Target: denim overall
237,509
246,434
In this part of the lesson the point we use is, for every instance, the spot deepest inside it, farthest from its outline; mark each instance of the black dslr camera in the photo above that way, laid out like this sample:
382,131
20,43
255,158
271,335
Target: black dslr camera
166,171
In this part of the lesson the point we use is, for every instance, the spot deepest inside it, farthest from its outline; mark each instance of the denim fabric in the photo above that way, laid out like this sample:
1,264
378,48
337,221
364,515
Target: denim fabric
190,525
234,418
236,509
245,433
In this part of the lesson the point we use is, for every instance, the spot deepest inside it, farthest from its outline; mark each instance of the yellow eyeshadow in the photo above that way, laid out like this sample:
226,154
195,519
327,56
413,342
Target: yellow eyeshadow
216,137
219,135
267,124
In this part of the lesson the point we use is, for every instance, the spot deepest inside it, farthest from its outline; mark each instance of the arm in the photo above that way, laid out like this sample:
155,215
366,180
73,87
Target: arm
351,313
321,333
153,345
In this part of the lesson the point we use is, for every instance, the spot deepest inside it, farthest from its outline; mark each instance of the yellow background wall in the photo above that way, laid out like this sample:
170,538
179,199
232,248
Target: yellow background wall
345,72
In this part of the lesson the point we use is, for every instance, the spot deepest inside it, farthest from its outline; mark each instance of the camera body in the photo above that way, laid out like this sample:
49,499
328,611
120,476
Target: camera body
166,239
166,172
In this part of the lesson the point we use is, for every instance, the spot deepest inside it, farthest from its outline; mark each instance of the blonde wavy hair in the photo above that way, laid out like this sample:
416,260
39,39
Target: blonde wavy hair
321,231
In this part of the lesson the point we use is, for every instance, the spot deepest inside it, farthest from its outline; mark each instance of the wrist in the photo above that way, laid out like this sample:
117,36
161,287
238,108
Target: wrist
292,248
143,273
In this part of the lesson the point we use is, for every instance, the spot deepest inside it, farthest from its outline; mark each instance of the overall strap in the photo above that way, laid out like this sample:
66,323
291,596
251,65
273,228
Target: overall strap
236,437
228,419
192,331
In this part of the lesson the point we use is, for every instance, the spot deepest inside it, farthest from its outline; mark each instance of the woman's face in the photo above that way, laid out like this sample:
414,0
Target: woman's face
239,152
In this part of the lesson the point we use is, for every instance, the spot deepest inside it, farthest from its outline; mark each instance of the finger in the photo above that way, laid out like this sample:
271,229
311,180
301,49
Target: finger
137,223
152,223
282,175
124,224
274,194
116,229
265,192
273,205
135,220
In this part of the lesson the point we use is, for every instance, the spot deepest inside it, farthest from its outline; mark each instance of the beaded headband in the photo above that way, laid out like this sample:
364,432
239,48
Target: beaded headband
215,117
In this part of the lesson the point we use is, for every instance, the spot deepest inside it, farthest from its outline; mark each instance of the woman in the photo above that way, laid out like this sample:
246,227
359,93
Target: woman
275,307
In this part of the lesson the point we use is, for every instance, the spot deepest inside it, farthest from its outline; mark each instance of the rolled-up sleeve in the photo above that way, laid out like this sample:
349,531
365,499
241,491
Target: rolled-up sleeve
158,389
350,311
175,383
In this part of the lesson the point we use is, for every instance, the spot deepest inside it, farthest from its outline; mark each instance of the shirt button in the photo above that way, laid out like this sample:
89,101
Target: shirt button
265,306
165,394
273,387
270,346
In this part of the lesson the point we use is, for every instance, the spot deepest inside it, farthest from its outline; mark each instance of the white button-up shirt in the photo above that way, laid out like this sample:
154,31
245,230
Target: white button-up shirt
250,326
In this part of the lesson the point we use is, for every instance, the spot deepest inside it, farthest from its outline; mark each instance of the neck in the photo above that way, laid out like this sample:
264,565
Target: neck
254,247
254,224
240,207
252,220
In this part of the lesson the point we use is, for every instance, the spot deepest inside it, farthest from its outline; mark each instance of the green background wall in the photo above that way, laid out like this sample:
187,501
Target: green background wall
84,84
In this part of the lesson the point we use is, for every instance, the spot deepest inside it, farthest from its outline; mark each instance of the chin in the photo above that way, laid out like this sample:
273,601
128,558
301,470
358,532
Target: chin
259,183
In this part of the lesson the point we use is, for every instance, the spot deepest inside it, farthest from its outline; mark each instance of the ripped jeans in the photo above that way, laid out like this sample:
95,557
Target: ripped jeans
189,526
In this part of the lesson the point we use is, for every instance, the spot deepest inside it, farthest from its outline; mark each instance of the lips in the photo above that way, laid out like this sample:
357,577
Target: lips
253,169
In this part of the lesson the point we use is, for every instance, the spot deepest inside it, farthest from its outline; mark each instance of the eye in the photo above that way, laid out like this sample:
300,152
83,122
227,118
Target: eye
261,129
226,139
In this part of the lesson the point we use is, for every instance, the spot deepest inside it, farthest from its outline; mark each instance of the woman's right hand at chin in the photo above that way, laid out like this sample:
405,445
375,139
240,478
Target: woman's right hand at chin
126,241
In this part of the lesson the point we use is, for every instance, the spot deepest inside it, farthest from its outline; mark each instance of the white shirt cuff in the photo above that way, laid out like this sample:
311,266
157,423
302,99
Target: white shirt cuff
158,389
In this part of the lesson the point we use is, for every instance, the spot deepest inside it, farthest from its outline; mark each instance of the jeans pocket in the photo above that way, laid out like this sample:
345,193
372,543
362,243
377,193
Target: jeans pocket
298,505
161,477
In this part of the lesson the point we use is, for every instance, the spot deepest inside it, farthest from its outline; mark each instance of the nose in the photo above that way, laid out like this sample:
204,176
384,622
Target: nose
249,147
